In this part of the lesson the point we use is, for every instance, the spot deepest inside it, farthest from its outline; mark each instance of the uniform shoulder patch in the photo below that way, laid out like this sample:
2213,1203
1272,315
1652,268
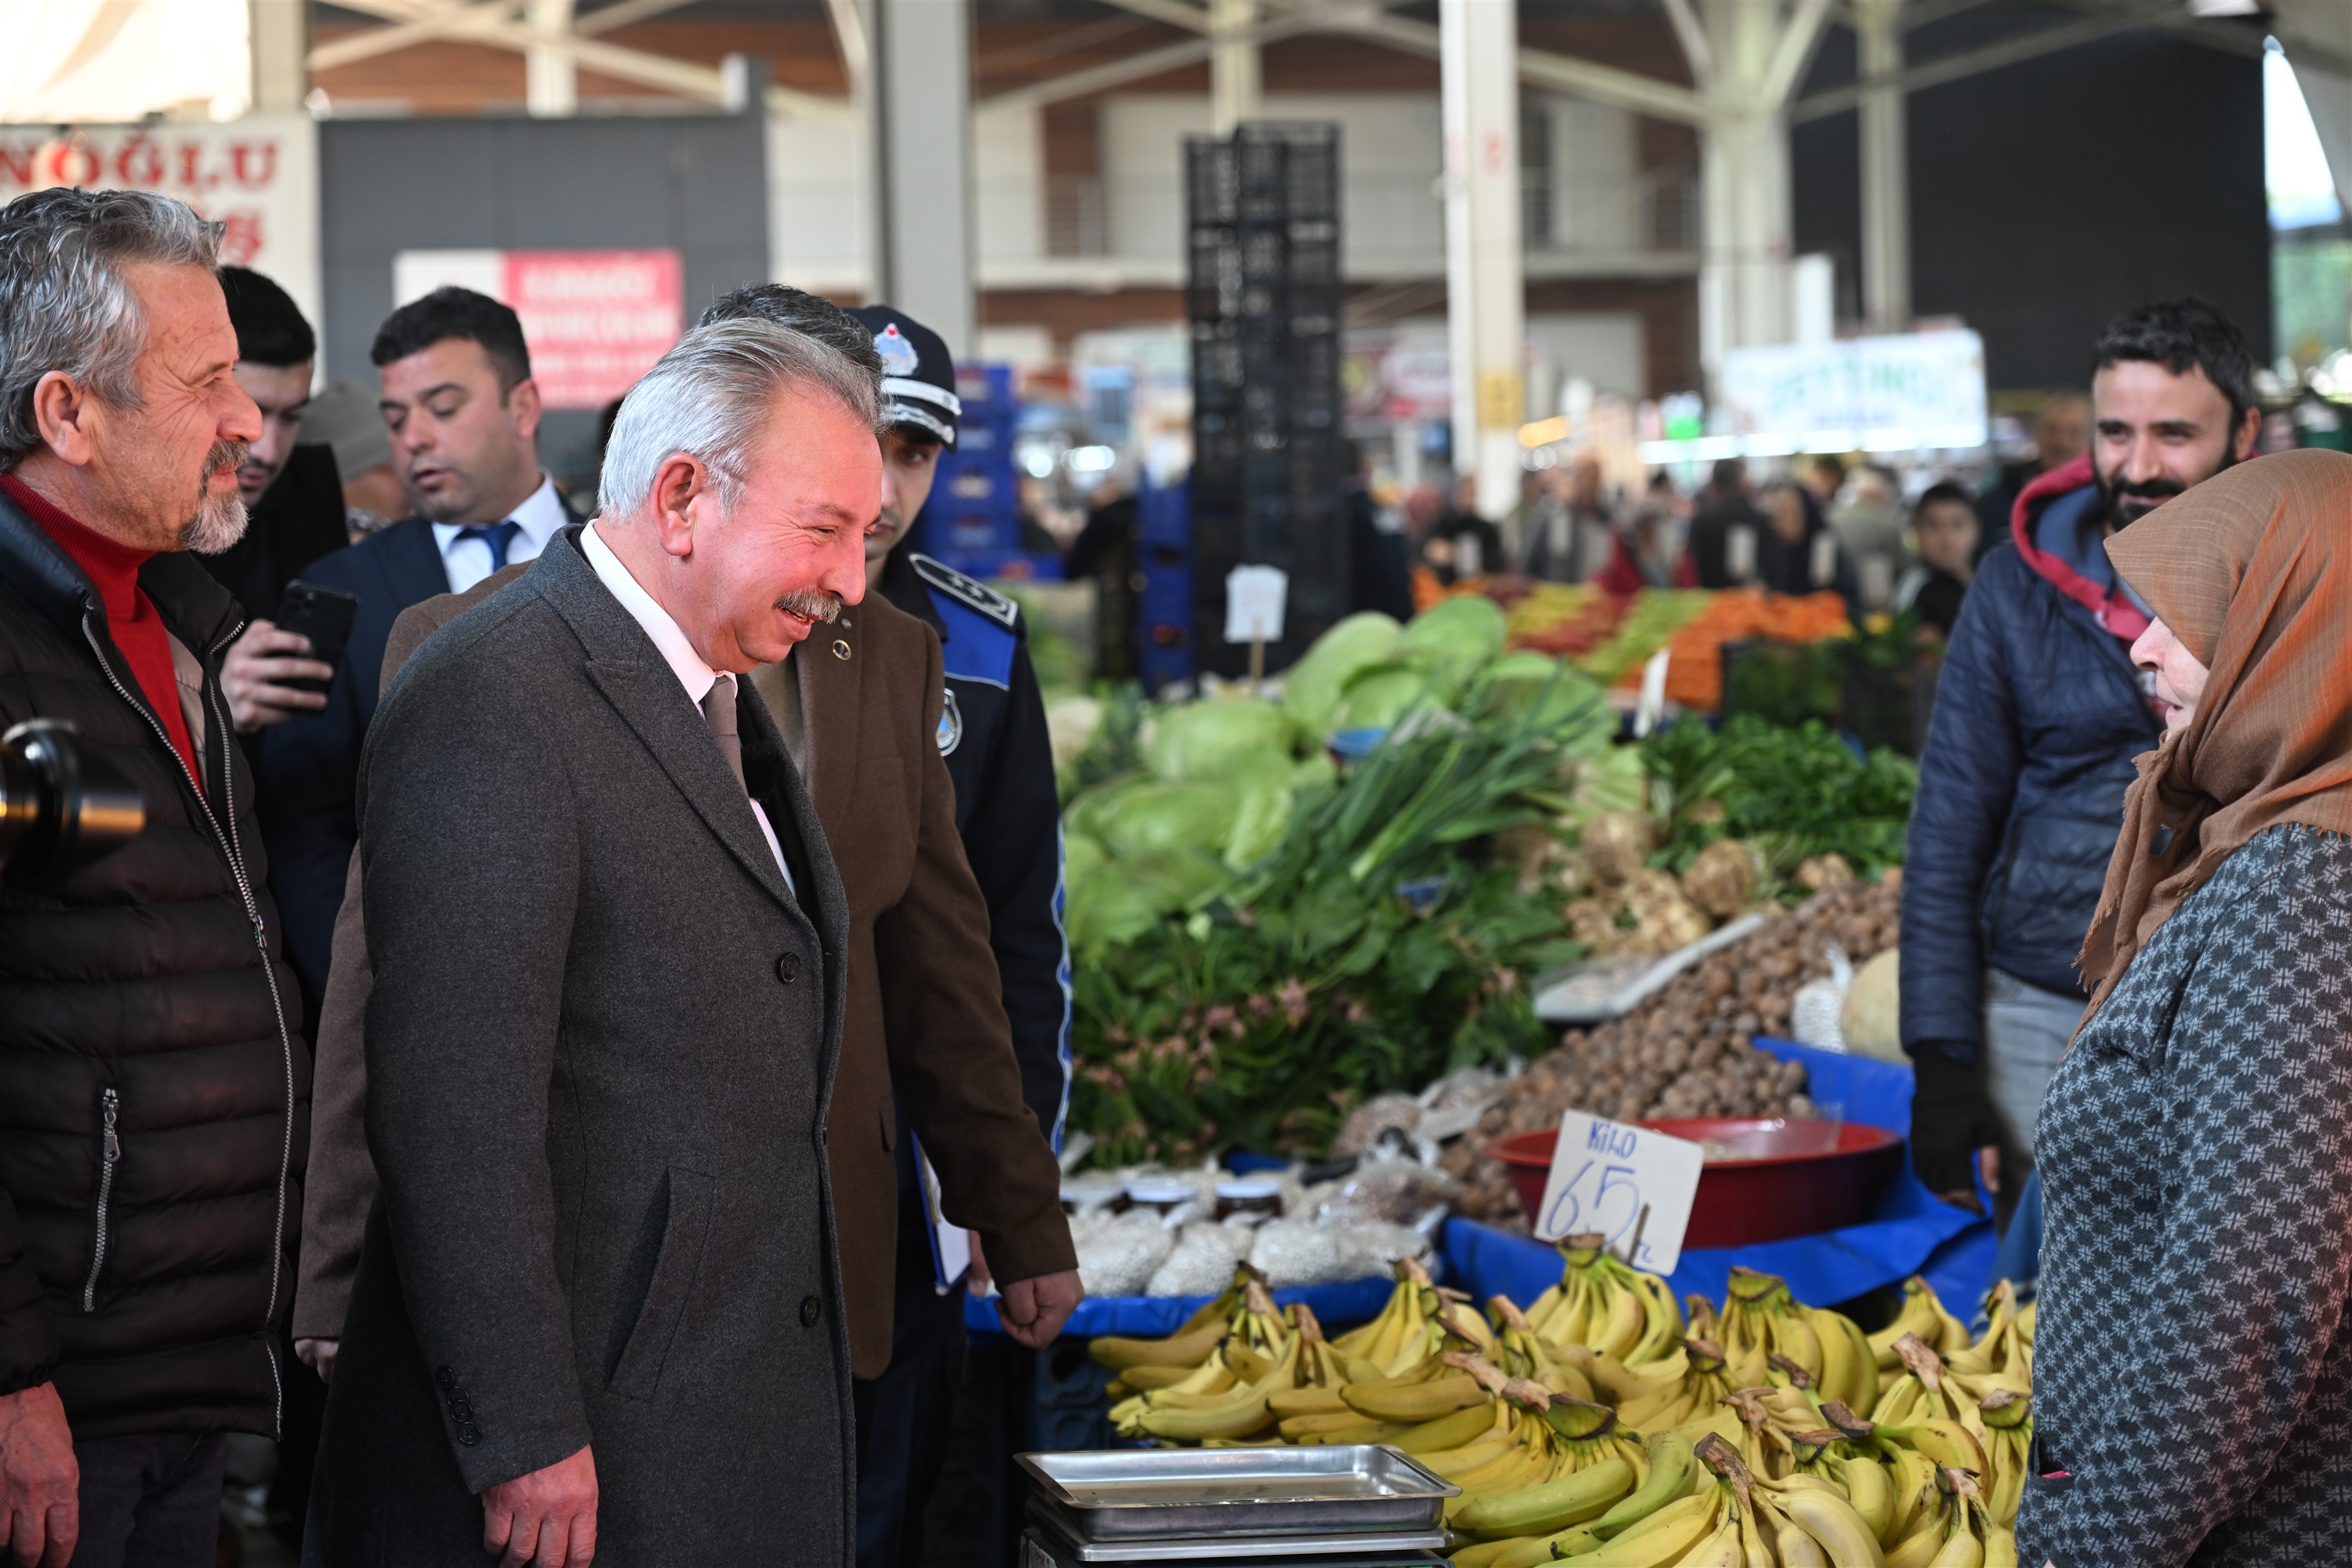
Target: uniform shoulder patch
968,591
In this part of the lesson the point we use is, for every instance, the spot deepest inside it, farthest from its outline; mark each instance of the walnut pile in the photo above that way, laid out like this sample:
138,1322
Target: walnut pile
1686,1051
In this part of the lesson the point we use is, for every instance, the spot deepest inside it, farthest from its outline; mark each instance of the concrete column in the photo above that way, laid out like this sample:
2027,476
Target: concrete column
1236,89
921,118
551,79
1485,285
1885,170
280,38
1744,285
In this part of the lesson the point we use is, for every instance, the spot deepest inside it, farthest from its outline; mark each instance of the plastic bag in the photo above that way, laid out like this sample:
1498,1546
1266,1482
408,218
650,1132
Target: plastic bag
1202,1261
1389,1191
1117,1254
1293,1252
1813,1015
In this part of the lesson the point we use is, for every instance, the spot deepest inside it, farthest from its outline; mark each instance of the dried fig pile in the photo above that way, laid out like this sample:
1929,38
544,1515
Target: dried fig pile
1687,1050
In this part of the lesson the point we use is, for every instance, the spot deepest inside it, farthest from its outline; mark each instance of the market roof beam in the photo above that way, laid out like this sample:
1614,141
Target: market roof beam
1558,73
702,83
1156,62
1175,13
1972,62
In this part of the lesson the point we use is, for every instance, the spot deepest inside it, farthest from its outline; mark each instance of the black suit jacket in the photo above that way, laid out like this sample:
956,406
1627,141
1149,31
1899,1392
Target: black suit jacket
309,765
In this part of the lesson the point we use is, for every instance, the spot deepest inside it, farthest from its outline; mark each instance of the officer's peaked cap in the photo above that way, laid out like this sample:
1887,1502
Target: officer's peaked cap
918,372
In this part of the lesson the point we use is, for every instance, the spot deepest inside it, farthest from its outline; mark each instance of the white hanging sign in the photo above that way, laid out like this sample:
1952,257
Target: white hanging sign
1255,596
1630,1186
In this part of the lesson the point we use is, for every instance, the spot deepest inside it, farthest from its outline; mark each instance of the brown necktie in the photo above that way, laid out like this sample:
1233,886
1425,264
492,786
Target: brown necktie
718,712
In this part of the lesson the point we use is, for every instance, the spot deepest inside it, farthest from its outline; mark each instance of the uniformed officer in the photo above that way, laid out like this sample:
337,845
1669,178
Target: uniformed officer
992,734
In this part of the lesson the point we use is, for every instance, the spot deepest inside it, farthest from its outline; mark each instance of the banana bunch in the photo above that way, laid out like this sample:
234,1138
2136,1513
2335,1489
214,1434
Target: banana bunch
1955,1530
1161,1363
1403,1335
1523,1352
1226,1396
1812,1347
1701,1386
1922,1317
1582,1510
2007,1343
1607,1306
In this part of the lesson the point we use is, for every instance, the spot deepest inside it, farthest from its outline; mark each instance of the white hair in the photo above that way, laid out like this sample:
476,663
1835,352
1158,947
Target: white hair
710,396
65,304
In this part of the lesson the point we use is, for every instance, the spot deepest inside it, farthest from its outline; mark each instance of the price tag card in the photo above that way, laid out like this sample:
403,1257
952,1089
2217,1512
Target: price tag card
1254,603
1605,1173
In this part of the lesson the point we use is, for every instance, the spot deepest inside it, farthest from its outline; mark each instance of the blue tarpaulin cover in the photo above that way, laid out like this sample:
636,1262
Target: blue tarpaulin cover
1912,1232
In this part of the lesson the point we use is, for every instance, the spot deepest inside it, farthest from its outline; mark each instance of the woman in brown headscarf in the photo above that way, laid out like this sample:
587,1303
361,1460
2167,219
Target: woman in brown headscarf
2192,1383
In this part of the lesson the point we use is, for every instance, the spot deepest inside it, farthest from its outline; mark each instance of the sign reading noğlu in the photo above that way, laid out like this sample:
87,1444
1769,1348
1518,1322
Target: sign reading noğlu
596,319
257,175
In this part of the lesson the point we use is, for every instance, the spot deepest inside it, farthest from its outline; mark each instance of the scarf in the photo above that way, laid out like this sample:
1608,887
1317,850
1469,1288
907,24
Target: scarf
2252,571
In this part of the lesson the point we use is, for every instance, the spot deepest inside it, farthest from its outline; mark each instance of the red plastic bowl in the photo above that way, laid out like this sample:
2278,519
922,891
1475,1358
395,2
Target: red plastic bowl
1767,1179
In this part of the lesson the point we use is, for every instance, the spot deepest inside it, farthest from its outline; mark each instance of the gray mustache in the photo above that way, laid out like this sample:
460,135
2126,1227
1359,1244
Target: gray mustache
814,604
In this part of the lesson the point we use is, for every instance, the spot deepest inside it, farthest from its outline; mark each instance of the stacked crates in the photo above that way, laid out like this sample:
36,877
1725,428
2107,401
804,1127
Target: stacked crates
972,521
1263,299
1163,552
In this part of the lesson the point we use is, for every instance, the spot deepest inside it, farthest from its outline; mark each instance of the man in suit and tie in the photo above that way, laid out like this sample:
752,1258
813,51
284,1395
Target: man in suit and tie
598,1307
462,414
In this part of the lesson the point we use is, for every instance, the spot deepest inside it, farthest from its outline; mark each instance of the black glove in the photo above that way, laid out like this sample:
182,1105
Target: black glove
1952,1118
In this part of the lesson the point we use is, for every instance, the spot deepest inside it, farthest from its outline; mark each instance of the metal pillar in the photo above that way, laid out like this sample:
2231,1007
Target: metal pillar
1743,286
1886,170
921,119
1236,89
551,77
1486,289
281,41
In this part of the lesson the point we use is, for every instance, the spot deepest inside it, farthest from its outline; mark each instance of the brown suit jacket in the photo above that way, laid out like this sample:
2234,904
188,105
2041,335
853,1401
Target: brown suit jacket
871,687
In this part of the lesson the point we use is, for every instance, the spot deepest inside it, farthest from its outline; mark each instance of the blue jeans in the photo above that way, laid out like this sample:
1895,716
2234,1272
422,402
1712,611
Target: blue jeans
2027,1030
151,1502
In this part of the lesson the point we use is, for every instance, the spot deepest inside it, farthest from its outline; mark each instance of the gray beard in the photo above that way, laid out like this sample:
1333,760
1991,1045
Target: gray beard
220,522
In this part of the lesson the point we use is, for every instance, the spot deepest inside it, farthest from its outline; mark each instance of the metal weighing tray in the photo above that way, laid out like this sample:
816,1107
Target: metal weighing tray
1142,1494
1043,1548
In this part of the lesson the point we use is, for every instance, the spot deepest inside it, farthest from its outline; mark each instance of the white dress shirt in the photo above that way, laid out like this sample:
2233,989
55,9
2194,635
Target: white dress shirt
468,561
694,676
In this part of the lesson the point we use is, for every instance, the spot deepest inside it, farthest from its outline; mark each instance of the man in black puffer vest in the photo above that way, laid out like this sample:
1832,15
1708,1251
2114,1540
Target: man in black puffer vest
154,1093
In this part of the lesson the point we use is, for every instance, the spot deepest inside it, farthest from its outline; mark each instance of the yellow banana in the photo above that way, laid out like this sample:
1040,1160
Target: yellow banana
1871,1494
1666,1536
1672,1464
1309,1402
1843,1534
1916,1550
2000,1547
1721,1550
1794,1548
1918,1317
1961,1549
1453,1464
1550,1506
1618,1326
1467,1425
1414,1402
1188,1346
1662,1333
1241,1418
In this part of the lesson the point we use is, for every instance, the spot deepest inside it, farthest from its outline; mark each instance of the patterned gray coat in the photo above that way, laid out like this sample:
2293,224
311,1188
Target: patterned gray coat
2196,1153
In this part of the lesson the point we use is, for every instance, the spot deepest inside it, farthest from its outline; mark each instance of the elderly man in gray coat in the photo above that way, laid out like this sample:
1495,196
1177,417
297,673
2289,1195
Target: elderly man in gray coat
597,1309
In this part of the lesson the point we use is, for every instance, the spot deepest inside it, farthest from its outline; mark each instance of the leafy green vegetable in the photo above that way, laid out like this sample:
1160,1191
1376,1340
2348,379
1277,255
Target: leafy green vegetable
1311,688
1213,740
1312,981
1378,695
1154,817
1797,792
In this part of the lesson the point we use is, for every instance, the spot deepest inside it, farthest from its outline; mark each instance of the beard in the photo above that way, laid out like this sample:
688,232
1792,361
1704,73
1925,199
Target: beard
811,604
220,519
2125,503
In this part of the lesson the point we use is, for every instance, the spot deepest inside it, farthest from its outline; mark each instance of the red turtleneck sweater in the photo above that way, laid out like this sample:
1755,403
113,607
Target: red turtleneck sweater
131,618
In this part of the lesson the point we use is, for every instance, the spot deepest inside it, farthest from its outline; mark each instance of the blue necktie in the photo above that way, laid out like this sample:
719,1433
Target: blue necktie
495,537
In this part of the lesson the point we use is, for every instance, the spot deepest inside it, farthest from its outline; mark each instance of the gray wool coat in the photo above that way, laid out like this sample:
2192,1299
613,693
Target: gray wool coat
600,1049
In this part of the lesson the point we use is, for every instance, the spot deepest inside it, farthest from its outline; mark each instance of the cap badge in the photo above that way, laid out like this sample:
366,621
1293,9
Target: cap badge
899,356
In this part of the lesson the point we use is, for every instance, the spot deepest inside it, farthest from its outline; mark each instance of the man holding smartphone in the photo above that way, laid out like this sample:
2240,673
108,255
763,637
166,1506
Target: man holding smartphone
463,411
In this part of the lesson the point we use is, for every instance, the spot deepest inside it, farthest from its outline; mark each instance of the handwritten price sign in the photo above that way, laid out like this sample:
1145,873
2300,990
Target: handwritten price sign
1605,1174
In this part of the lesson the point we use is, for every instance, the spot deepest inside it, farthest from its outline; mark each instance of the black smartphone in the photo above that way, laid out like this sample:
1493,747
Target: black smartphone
325,615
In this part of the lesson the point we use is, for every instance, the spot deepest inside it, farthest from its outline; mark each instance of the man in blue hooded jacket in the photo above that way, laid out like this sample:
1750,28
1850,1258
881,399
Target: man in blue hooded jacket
2039,714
